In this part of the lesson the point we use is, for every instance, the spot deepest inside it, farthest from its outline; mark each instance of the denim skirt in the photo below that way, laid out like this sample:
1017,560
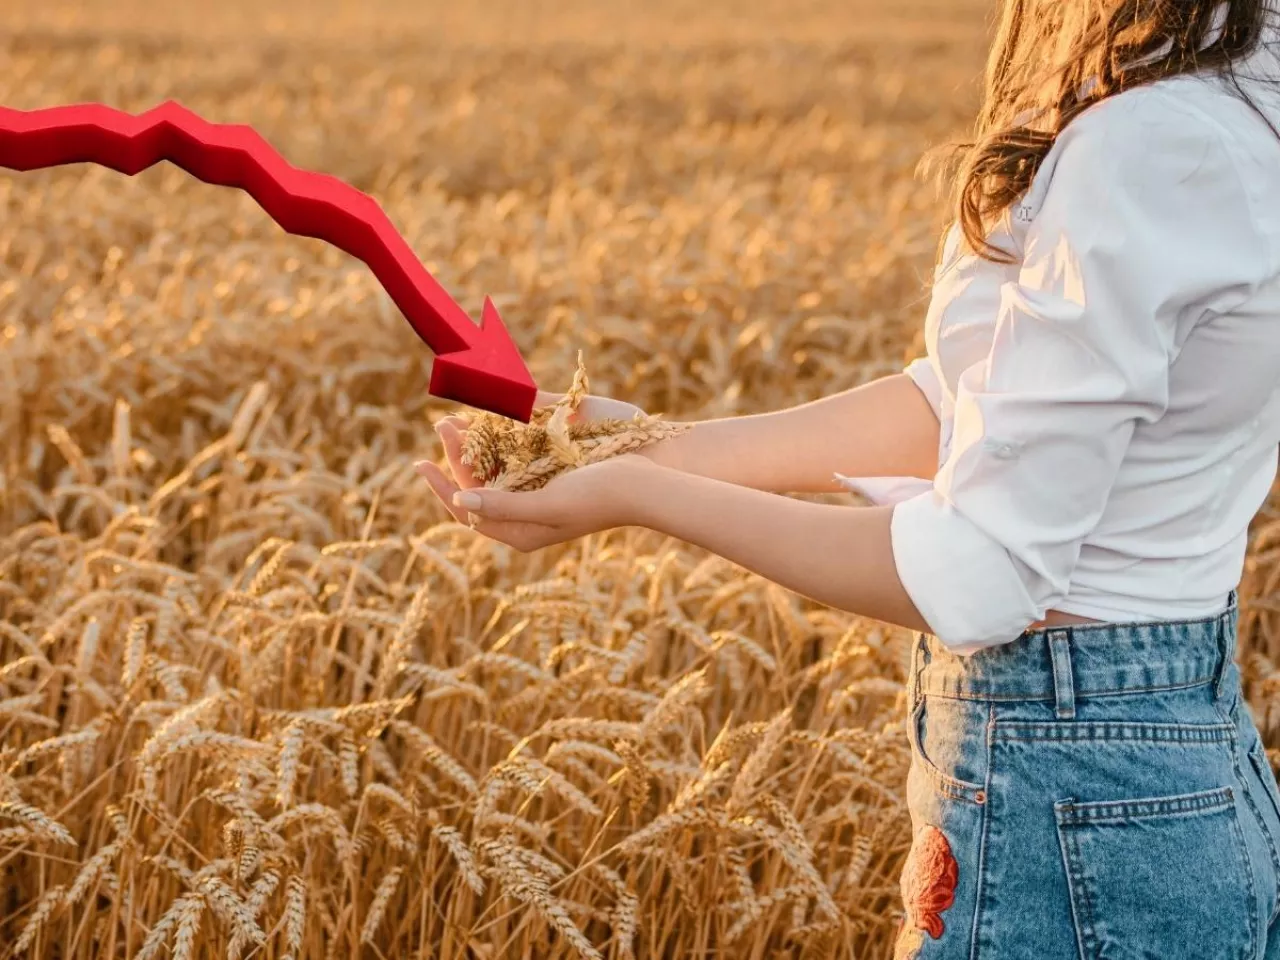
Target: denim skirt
1095,792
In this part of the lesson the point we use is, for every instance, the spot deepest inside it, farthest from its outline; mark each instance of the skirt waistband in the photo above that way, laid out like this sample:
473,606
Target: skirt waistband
1062,663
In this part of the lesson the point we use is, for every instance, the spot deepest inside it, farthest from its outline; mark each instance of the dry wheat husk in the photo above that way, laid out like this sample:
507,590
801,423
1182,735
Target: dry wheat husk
509,455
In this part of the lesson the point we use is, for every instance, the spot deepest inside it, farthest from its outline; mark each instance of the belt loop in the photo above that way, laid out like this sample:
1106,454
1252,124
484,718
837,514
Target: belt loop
1226,651
1063,688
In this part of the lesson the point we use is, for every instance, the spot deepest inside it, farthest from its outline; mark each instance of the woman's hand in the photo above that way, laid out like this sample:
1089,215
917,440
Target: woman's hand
581,501
572,505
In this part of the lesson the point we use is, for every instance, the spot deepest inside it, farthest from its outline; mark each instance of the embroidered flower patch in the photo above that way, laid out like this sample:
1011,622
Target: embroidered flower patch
928,888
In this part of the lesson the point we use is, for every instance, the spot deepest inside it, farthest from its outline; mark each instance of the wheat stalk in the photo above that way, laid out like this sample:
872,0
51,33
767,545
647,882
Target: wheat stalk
381,897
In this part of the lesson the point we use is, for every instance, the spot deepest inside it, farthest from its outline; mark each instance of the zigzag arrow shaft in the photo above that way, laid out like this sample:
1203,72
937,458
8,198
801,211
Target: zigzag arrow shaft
485,371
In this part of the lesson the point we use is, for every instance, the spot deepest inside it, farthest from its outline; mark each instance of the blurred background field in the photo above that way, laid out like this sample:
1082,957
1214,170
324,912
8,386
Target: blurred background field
257,697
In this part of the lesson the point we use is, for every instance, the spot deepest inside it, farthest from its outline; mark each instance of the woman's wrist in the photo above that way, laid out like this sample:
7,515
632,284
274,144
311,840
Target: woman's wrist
669,451
631,494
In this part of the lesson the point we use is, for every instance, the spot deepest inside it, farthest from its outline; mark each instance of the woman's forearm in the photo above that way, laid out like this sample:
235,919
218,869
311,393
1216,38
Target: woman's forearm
884,428
838,555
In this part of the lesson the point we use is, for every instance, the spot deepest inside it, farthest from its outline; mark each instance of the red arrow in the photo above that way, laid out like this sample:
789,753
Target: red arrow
478,366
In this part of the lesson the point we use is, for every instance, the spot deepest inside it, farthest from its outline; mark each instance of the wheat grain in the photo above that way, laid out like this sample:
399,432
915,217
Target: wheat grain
135,650
48,902
50,745
261,892
635,776
528,886
349,764
295,915
394,836
92,869
199,740
287,765
37,821
381,897
757,763
452,841
751,911
188,924
231,910
435,755
535,833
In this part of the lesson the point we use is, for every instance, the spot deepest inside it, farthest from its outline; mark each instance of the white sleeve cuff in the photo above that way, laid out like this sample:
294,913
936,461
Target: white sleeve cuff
925,377
965,585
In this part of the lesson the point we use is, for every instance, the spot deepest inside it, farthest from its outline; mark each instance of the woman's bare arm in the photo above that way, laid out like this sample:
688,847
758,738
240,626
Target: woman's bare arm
884,428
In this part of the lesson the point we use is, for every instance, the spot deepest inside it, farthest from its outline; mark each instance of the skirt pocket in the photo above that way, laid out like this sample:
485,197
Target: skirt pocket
1161,877
955,732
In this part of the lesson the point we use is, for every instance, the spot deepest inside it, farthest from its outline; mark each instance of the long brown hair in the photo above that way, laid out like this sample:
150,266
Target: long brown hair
1052,59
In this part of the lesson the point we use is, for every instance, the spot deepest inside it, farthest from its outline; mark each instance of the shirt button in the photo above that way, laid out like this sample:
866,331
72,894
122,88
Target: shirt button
1001,449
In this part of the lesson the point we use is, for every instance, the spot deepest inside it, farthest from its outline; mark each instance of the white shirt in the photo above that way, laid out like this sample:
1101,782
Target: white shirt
1110,403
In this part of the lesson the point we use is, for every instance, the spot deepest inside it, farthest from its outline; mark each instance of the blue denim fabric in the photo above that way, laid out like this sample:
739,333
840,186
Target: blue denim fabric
1103,794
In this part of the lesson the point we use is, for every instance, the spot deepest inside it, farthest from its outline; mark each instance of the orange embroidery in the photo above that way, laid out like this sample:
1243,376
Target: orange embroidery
928,881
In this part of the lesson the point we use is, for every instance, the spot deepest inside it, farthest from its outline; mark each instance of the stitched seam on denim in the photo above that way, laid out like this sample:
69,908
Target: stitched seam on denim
956,790
1129,811
1243,849
980,881
1233,713
1085,674
1068,868
1076,874
1075,736
1254,759
1081,694
1203,657
1090,911
1236,750
1103,730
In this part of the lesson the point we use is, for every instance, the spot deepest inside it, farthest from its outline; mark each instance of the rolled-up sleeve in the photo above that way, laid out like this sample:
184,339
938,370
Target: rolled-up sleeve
922,373
1136,237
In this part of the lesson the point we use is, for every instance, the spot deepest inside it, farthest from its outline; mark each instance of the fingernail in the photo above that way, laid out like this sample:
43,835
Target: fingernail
467,500
421,466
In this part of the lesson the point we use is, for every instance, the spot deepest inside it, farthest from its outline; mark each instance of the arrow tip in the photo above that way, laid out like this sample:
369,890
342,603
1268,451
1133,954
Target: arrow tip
489,375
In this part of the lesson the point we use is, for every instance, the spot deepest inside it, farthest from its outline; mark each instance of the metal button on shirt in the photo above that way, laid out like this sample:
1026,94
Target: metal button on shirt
1002,449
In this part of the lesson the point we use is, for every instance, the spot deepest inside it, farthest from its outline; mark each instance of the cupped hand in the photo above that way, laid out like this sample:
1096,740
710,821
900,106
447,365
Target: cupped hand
578,502
581,501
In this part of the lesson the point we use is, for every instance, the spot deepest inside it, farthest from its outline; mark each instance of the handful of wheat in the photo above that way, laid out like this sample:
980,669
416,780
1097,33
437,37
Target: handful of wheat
509,455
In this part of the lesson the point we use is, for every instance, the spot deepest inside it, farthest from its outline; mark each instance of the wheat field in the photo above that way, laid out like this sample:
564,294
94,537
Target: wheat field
259,695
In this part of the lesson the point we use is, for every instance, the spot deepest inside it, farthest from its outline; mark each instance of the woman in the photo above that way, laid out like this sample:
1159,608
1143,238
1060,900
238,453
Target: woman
1094,426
